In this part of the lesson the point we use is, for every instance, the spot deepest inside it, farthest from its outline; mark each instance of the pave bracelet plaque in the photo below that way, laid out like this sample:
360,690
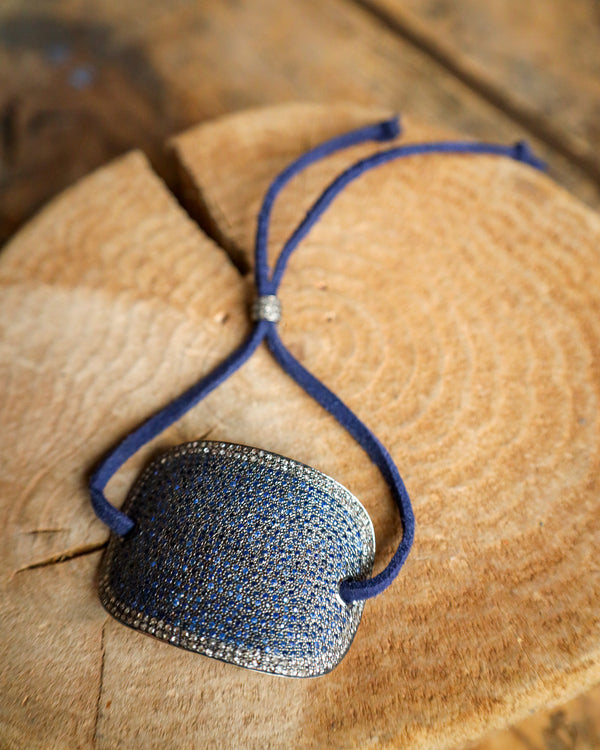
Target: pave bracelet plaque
238,554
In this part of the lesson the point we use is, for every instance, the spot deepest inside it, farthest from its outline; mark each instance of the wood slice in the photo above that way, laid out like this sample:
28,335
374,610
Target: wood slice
452,301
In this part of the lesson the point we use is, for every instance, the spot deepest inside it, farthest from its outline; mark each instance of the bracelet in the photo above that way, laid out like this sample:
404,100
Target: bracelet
237,553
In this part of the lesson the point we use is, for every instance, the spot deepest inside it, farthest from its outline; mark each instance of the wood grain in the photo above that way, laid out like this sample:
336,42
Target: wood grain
538,61
472,354
227,198
85,83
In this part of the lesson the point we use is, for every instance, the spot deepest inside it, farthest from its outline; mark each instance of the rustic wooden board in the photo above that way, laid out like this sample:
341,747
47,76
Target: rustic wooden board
538,61
87,82
471,352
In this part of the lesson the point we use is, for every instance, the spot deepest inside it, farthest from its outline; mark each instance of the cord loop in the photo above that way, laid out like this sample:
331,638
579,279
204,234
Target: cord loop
266,312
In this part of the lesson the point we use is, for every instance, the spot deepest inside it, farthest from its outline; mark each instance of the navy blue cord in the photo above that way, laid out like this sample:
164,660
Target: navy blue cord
119,522
267,284
380,131
115,519
353,590
520,152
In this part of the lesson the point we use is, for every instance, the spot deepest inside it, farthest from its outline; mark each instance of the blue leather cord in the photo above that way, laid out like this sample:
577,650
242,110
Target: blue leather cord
267,284
380,131
115,519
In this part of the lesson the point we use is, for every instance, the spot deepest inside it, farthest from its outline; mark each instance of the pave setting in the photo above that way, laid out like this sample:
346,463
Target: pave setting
237,554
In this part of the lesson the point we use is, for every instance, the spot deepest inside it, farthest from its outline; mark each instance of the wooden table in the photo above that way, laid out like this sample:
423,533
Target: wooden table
84,83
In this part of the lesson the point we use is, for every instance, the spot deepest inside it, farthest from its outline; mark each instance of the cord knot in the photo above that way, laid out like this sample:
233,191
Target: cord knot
266,307
522,152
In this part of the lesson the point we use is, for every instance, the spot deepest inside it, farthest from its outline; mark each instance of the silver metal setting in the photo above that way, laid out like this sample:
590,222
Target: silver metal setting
267,307
237,554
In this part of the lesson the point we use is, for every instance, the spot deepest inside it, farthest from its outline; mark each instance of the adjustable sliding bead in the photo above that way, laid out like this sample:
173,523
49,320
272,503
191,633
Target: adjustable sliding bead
266,307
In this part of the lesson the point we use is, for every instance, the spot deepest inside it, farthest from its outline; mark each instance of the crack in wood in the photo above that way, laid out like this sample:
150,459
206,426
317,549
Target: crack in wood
101,682
44,531
70,554
8,131
562,142
80,550
191,199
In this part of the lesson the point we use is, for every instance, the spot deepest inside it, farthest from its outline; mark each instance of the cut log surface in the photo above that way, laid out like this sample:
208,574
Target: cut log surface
452,301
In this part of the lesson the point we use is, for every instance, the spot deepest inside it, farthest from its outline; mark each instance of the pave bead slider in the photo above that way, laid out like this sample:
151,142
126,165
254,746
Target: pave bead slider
266,307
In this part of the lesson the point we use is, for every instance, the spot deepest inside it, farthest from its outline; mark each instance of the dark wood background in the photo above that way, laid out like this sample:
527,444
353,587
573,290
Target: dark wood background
81,82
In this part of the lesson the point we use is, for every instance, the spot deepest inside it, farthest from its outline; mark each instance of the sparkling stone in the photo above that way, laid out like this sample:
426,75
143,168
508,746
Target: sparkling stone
238,554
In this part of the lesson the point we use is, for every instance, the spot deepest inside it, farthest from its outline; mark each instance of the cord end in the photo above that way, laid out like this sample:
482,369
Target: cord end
108,514
522,152
389,129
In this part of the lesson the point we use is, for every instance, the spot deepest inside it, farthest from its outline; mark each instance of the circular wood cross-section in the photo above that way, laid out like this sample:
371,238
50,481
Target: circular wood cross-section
451,301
